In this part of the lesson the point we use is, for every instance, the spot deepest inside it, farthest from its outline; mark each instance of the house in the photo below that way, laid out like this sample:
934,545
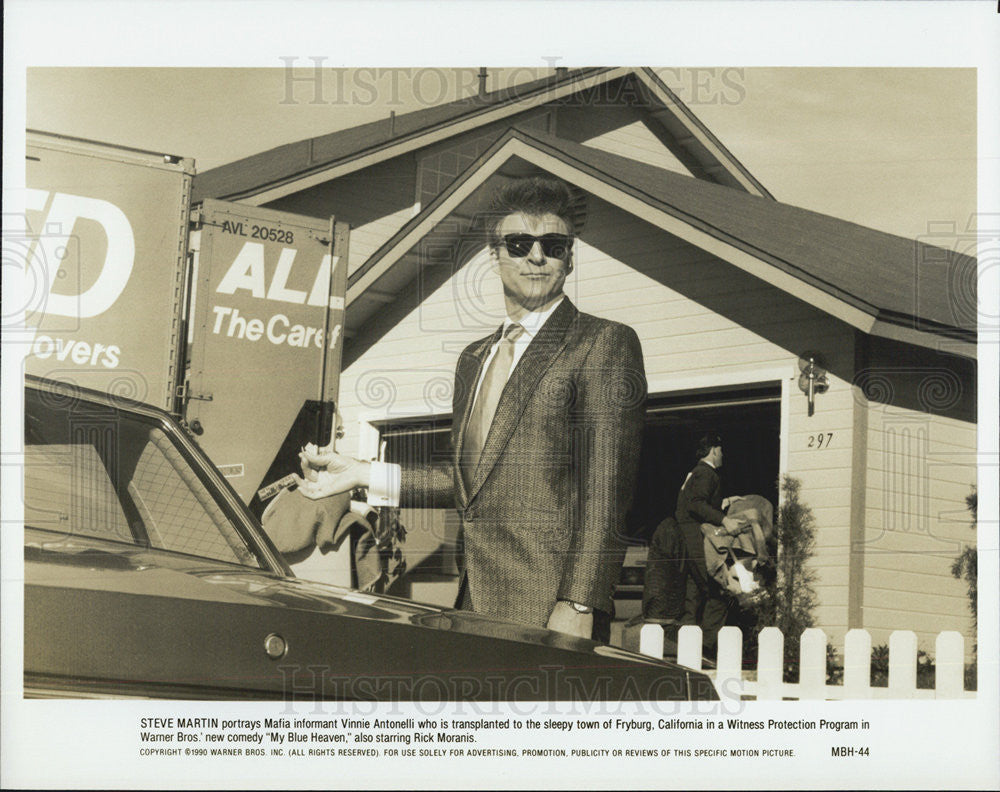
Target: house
736,297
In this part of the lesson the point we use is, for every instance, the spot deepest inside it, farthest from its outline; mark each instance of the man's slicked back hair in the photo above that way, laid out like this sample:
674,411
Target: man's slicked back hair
534,196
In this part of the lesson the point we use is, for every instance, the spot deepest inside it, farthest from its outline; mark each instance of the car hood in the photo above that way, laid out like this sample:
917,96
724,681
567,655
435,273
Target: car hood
97,565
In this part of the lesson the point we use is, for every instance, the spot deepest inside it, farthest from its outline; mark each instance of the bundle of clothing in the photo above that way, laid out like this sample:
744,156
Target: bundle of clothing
298,525
736,562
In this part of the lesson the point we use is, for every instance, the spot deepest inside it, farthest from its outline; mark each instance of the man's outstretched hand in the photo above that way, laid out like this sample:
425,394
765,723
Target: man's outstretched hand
325,473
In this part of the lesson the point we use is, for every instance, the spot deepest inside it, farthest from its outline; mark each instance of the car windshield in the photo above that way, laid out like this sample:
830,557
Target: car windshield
91,470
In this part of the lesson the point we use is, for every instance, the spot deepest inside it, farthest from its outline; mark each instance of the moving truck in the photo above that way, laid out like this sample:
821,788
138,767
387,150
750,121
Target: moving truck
228,316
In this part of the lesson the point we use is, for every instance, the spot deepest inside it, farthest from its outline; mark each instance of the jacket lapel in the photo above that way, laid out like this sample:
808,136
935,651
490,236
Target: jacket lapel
470,368
536,360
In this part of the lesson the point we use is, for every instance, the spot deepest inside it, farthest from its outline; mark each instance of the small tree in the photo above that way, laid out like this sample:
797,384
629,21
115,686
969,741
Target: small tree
966,565
788,604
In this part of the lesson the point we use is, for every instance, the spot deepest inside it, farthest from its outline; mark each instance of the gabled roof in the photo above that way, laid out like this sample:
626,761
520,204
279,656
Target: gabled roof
271,174
880,283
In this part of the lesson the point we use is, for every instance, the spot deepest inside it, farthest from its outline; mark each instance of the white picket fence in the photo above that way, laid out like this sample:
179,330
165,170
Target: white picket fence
731,680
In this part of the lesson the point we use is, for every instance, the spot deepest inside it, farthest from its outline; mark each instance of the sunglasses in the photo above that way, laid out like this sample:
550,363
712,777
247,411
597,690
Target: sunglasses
553,245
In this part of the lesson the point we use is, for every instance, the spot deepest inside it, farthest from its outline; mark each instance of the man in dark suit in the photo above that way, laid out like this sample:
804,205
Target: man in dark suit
678,588
546,432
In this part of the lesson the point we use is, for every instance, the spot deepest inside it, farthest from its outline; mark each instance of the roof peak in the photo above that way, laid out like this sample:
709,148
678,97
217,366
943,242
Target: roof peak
274,173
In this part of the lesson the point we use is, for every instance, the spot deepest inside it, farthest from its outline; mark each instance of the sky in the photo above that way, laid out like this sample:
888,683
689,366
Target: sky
890,148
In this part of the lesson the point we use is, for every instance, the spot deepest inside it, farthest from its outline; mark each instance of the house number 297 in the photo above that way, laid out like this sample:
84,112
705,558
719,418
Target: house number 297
820,440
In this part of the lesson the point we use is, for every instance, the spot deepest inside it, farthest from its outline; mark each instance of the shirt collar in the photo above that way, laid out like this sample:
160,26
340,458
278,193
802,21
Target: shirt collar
708,463
532,322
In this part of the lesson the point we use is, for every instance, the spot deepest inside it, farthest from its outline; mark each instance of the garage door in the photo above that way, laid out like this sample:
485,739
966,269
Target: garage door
748,419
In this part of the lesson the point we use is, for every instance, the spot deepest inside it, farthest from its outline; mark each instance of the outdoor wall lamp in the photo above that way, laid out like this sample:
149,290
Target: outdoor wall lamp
812,380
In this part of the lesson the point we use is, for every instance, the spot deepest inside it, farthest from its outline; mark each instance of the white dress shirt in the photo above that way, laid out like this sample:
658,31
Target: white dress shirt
383,489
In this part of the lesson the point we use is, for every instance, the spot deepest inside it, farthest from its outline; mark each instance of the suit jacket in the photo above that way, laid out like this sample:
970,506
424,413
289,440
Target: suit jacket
699,501
543,515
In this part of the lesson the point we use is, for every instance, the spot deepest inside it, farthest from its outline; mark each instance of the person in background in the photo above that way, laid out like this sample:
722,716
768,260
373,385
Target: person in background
678,588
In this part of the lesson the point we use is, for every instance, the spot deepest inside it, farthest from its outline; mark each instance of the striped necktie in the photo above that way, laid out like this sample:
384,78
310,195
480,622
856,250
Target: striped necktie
485,407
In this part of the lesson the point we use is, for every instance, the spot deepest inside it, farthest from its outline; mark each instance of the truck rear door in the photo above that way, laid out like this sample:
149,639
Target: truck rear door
268,286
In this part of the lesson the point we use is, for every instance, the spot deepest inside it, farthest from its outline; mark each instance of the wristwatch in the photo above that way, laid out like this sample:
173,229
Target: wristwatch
578,607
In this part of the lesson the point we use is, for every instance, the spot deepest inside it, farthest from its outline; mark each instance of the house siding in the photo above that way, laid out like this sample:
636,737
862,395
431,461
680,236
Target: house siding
617,130
921,467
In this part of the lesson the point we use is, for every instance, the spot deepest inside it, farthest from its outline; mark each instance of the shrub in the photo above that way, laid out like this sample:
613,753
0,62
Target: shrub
834,667
965,565
880,668
790,600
